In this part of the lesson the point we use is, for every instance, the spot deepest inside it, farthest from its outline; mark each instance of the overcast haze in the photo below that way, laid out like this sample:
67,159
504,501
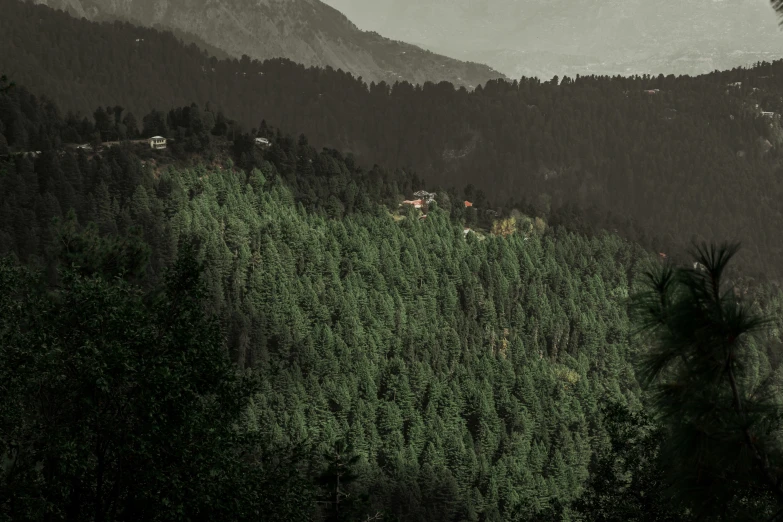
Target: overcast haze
546,37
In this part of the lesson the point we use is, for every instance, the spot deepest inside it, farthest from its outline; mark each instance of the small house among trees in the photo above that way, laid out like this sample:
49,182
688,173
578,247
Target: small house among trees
263,142
157,142
417,203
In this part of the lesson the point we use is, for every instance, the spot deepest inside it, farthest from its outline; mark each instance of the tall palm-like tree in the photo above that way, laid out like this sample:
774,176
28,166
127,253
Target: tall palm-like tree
715,388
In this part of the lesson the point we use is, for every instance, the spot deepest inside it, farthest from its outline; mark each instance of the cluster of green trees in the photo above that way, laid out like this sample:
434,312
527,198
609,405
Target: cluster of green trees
325,182
122,405
32,123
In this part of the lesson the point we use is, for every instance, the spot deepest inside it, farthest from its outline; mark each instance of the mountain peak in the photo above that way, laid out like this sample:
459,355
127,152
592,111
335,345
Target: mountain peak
305,31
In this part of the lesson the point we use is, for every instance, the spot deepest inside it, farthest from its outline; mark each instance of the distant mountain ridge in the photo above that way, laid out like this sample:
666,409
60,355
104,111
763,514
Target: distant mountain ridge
545,64
305,31
545,37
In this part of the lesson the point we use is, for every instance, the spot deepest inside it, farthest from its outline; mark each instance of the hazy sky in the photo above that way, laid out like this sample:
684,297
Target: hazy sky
507,34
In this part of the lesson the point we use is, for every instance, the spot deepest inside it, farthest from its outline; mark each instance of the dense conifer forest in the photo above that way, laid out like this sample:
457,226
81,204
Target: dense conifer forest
221,330
693,158
249,325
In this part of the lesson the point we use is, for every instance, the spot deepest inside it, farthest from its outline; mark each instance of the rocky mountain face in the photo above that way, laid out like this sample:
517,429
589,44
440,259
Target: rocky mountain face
565,37
305,31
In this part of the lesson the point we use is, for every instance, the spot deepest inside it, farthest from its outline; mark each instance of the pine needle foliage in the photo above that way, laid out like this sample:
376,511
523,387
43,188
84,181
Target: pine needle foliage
777,5
713,388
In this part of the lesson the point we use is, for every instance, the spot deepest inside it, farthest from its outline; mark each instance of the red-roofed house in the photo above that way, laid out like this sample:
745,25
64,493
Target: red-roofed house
417,203
468,204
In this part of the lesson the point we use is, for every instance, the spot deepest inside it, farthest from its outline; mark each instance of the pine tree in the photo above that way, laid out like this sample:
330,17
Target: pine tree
721,414
336,480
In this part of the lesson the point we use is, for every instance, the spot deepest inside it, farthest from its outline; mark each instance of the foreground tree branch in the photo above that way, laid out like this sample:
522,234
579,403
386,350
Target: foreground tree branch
705,374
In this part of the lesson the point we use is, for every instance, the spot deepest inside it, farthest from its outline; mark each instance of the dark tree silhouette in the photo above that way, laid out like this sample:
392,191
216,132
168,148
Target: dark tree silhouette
714,386
5,85
777,5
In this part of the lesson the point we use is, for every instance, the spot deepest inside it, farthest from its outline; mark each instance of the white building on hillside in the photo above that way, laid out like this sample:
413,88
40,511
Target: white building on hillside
157,142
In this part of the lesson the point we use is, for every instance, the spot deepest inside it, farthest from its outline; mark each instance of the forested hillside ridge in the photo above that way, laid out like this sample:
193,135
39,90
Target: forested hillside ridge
334,314
305,31
207,136
328,182
694,159
440,375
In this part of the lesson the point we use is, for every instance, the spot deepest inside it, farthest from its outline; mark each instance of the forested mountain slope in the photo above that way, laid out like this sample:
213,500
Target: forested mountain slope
305,31
467,374
691,160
